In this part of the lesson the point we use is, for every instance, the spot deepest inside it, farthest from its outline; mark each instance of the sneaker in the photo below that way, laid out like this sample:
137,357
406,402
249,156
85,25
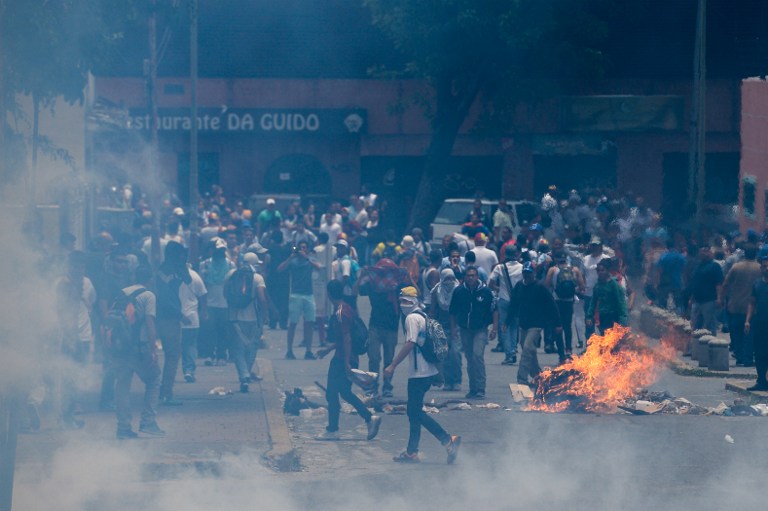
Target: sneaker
189,378
406,457
244,387
254,377
290,356
498,349
169,401
508,362
152,429
480,395
387,393
470,395
452,448
125,434
758,387
373,427
328,435
309,356
549,349
579,344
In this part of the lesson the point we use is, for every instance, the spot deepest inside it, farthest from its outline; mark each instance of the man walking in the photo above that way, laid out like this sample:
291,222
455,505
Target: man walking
420,376
536,310
757,324
503,279
705,290
609,301
340,370
472,309
140,358
565,282
737,290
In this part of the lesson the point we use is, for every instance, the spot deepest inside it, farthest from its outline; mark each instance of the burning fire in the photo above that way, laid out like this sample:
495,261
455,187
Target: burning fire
613,368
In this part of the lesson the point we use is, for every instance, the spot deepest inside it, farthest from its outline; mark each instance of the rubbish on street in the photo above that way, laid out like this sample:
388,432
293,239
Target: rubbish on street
489,406
431,409
219,391
520,393
460,406
729,439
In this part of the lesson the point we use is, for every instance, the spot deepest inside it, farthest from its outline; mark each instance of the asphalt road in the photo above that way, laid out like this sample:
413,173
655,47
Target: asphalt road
510,458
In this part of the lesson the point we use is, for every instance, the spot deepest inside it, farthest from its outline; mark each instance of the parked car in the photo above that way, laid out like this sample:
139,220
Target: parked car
453,213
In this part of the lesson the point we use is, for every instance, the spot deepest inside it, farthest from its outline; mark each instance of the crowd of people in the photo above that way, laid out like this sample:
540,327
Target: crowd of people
579,266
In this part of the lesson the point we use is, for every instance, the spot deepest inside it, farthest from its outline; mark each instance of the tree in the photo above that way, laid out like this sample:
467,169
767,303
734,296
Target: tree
485,52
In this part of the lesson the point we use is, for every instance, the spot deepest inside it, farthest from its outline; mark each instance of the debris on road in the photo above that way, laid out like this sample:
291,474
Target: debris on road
219,391
729,439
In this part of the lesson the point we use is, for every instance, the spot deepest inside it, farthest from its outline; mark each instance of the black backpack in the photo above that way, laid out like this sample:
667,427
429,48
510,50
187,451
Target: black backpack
359,336
435,348
566,283
238,290
122,326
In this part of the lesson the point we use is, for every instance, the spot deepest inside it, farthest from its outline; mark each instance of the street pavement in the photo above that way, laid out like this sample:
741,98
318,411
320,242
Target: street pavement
550,457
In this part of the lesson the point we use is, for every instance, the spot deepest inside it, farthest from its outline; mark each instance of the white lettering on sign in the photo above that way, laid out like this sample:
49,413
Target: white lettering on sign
289,122
285,176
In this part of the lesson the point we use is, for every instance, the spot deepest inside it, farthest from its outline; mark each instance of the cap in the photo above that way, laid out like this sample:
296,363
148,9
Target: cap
480,237
407,241
256,248
528,267
409,291
342,243
220,243
270,201
595,240
178,211
251,258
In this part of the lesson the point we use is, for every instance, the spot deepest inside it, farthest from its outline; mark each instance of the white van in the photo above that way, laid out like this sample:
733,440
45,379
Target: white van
453,214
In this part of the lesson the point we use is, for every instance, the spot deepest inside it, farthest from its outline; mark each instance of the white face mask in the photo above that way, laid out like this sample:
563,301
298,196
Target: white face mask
408,304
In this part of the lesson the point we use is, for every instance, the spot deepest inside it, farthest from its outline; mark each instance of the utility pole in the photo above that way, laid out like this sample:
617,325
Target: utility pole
697,177
150,70
193,163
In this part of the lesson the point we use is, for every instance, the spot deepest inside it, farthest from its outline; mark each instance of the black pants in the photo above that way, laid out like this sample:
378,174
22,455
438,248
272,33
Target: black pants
565,307
339,385
417,417
760,343
741,343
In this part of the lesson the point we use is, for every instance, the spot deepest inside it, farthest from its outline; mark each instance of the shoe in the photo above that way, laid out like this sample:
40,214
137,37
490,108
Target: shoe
309,356
508,362
758,387
498,349
579,344
244,387
406,457
290,356
169,401
69,421
480,395
189,378
328,435
470,395
255,377
152,429
373,427
208,363
125,434
452,447
387,393
549,349
740,363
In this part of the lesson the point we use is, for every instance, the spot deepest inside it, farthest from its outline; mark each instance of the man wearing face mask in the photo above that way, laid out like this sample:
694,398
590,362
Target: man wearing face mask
420,377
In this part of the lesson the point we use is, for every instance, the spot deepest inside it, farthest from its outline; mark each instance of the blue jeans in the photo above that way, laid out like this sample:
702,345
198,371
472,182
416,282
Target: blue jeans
473,345
510,336
189,350
704,315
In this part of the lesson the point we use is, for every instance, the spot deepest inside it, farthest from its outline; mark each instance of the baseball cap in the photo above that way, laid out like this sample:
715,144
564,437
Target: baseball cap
270,201
342,243
257,248
528,267
178,211
220,243
480,237
595,240
251,258
409,291
407,241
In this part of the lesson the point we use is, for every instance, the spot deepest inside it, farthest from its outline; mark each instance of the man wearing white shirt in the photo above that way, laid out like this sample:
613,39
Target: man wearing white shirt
193,305
503,279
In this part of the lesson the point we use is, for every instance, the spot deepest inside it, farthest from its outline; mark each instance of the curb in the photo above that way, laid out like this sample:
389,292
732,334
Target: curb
686,369
740,387
282,456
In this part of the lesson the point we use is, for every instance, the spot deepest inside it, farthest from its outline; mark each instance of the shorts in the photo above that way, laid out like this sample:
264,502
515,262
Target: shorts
299,305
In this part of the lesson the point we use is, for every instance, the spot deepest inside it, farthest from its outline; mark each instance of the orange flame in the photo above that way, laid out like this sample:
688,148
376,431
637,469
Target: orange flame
614,367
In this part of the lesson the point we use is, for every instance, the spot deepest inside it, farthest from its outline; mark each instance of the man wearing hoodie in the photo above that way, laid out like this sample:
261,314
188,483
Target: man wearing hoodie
473,309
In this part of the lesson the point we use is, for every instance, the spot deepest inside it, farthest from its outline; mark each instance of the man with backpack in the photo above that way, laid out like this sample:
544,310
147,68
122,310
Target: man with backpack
246,297
566,282
503,279
339,384
420,377
473,309
131,336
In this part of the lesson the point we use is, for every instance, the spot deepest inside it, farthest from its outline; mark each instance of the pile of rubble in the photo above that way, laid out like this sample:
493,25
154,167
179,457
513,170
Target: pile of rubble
648,403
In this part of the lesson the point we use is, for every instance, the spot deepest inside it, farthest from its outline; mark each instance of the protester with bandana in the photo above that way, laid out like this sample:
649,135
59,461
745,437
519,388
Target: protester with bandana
439,310
421,374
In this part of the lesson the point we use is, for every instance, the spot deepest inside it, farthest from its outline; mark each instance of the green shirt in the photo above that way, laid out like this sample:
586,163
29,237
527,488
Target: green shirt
609,299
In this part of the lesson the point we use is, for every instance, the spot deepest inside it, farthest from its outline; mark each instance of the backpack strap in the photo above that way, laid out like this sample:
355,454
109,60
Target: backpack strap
134,294
509,280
